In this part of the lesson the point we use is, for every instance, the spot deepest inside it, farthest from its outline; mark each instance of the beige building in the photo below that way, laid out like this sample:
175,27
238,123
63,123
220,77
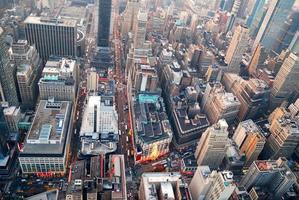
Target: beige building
250,140
253,94
286,81
140,30
12,117
237,48
219,104
222,186
284,134
201,182
212,145
258,58
129,16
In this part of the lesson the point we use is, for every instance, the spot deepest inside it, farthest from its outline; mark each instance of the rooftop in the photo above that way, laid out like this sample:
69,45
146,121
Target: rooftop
50,21
49,129
151,121
99,116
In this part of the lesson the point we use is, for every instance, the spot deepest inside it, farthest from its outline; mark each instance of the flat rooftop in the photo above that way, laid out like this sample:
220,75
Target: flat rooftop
151,121
49,129
99,116
50,21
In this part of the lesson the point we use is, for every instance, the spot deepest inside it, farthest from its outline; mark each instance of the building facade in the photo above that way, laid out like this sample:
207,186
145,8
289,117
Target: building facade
59,80
212,145
52,37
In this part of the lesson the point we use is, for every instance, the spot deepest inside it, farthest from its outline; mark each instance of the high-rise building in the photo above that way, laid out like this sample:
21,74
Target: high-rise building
140,29
3,135
272,25
258,19
284,83
272,175
219,104
12,116
253,94
59,80
212,145
236,49
47,142
129,16
104,21
222,187
7,74
250,140
258,60
243,8
201,182
28,67
294,45
255,12
284,135
56,36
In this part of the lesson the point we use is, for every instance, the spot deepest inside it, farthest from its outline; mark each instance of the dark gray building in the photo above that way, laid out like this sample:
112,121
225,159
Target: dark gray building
104,20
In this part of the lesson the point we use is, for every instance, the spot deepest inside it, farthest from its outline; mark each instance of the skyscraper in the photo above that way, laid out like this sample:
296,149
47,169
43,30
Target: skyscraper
284,83
28,66
212,145
104,21
284,135
140,30
129,16
7,81
257,18
236,49
272,175
222,187
272,25
3,134
52,36
250,140
255,12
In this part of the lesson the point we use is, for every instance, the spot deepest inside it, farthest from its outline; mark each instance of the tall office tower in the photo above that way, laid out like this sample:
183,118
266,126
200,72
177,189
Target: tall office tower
92,79
258,60
129,16
104,20
7,74
59,80
56,36
201,182
272,175
288,31
236,49
227,5
250,140
222,187
28,66
255,12
140,30
212,145
258,18
294,45
219,104
272,25
3,135
285,83
243,8
284,135
253,94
